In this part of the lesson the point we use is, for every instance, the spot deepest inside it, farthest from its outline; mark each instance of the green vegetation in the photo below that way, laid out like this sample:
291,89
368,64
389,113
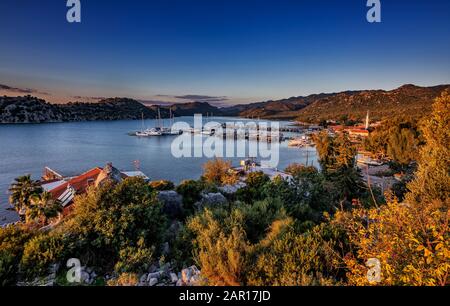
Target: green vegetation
398,138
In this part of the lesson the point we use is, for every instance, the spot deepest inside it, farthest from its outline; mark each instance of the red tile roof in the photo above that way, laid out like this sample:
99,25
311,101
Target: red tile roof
79,183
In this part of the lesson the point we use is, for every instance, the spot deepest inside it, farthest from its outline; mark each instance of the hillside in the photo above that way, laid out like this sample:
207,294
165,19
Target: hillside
408,100
188,109
29,109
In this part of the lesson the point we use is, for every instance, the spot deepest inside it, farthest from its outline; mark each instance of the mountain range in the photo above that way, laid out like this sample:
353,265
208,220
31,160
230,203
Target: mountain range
408,99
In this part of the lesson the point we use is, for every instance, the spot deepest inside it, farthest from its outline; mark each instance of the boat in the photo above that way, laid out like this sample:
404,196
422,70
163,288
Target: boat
303,141
153,132
210,132
167,130
148,133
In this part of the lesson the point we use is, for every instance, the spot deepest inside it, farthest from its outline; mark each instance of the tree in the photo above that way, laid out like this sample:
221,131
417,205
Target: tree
398,138
254,189
402,146
218,172
22,191
12,241
191,191
116,226
286,258
411,243
432,179
338,163
42,208
221,247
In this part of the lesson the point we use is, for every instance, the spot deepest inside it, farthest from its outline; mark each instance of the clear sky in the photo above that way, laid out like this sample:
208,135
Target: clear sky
227,51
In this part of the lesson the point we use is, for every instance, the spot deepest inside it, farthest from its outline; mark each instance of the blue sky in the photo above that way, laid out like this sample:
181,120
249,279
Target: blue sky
237,51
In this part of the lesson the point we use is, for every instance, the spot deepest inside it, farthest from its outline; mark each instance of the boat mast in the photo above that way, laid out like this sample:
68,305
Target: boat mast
307,156
159,118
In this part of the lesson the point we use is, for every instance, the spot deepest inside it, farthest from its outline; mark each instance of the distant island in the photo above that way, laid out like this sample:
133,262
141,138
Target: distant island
408,100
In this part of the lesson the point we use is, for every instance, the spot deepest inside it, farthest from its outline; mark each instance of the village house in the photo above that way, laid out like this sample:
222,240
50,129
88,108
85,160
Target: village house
65,188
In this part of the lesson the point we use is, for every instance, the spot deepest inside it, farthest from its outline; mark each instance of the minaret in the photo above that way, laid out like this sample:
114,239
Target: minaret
367,121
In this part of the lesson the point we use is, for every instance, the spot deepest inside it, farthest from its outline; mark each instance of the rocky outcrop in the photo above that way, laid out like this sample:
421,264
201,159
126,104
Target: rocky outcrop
172,203
211,200
166,276
29,109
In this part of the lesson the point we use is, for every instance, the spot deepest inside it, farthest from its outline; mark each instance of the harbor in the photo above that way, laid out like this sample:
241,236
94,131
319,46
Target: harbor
73,148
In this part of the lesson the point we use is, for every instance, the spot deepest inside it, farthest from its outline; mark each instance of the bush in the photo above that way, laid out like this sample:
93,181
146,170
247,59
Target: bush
285,258
12,241
125,279
108,224
134,259
221,249
218,172
39,253
162,185
253,191
412,243
191,191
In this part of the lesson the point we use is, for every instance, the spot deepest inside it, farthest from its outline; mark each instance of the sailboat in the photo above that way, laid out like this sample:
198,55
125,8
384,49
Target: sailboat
147,132
168,130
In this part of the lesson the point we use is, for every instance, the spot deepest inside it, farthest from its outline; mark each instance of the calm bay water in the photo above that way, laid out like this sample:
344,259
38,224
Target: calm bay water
72,148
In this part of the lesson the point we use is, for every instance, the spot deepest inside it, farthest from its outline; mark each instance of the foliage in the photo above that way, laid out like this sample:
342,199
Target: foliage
112,222
252,191
124,279
412,243
338,164
12,241
162,185
278,256
218,172
398,137
402,146
22,191
42,208
285,258
221,247
40,252
191,191
134,259
433,174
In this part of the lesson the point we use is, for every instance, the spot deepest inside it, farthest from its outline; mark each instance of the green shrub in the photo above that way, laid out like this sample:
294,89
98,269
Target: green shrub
40,252
12,241
191,191
112,222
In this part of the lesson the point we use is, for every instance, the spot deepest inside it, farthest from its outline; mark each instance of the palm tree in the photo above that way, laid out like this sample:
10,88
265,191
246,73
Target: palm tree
43,207
21,192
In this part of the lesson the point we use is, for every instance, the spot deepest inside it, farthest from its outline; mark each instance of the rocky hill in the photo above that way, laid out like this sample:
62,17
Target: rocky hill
189,109
405,100
33,110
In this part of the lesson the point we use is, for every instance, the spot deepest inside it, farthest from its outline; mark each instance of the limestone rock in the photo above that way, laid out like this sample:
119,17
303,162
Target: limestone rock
153,281
172,203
